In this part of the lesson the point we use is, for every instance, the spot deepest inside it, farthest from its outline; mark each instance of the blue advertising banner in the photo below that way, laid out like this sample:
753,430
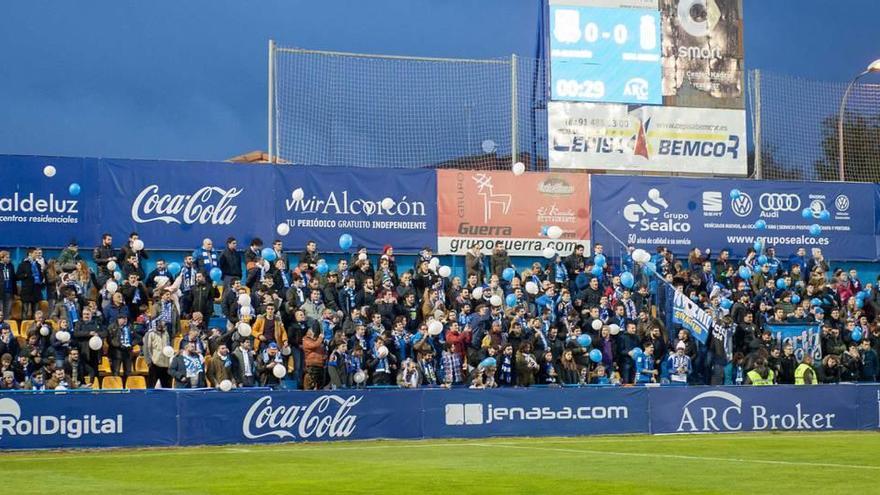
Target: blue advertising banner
727,409
804,339
174,205
688,314
47,201
374,206
721,213
83,419
869,407
534,412
249,416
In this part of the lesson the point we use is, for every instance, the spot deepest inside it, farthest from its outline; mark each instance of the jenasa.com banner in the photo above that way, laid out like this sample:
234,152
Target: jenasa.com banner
686,213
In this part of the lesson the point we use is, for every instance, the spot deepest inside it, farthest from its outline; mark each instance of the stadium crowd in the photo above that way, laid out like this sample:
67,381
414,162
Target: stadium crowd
573,320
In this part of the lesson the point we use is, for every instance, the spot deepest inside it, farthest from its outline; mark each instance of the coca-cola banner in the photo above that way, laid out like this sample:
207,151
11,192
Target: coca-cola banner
374,206
47,201
175,205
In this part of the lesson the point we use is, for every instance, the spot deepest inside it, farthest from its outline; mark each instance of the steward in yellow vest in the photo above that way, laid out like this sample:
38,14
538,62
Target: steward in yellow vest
761,375
804,373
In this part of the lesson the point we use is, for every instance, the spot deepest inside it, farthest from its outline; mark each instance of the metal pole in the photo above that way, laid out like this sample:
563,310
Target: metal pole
514,145
271,114
759,169
840,118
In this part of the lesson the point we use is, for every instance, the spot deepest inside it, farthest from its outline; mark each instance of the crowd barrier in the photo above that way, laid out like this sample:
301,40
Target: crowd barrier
201,417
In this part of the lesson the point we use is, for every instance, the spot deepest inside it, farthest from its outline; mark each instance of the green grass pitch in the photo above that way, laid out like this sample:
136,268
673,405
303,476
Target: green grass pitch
799,463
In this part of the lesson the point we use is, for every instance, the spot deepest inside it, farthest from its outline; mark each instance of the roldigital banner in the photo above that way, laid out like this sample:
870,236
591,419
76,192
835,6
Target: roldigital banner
488,209
685,213
175,205
34,420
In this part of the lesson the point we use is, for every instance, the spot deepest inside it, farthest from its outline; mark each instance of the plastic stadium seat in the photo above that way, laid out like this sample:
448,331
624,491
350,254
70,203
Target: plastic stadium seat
111,382
13,325
184,328
140,365
44,307
104,367
176,344
135,382
219,291
25,326
16,310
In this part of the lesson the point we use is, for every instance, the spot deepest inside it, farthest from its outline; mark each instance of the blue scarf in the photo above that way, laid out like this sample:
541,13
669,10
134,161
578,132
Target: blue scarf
209,258
125,336
72,313
35,269
7,278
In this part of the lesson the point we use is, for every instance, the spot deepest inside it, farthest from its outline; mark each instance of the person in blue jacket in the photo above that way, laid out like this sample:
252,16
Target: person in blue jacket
645,372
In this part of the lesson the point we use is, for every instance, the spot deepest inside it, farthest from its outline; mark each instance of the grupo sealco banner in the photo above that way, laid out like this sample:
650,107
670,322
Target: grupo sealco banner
685,213
596,136
488,209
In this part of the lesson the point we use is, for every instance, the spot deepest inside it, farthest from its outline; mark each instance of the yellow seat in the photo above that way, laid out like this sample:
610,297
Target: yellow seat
176,344
111,382
140,365
13,326
135,382
184,327
219,298
16,310
25,326
44,307
104,367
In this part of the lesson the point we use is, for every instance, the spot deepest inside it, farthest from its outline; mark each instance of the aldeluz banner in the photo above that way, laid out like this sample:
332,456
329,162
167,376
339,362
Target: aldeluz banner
488,209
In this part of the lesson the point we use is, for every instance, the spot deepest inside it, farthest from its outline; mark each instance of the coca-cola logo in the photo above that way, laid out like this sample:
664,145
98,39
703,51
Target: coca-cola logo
209,205
328,416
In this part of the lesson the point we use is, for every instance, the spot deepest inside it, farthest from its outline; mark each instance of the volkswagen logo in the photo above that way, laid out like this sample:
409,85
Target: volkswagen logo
742,206
842,203
779,202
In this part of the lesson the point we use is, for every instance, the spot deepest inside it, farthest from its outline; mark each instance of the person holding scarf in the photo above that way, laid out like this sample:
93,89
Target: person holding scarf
187,368
121,342
206,257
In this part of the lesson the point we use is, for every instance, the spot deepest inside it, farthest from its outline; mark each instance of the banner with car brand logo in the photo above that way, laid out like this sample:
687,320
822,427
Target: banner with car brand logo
488,209
595,136
720,213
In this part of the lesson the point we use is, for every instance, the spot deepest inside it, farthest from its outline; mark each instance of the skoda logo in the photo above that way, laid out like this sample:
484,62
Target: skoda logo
779,202
842,203
742,205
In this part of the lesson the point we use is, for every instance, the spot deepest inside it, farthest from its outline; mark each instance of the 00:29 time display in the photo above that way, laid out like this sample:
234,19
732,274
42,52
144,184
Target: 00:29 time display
580,89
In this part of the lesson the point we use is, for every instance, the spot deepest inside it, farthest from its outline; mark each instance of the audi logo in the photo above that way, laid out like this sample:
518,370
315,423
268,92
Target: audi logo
779,202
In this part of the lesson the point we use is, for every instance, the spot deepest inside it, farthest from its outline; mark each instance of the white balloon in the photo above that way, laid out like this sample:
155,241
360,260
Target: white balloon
111,265
435,262
641,256
225,385
244,329
613,329
444,271
244,300
49,171
168,351
161,280
532,288
279,370
282,229
435,328
44,331
95,343
112,287
548,252
360,376
388,203
117,275
62,336
362,256
554,232
381,352
519,168
477,293
137,245
495,300
285,351
597,325
247,311
298,194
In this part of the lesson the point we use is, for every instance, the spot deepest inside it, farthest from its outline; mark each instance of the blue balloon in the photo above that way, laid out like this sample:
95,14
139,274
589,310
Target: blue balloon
584,340
345,242
780,284
807,213
762,260
508,274
815,301
488,362
860,295
596,356
735,194
650,268
174,268
216,274
815,230
745,272
627,279
726,303
322,268
597,270
856,334
758,245
860,303
74,189
510,300
795,299
600,260
268,254
761,224
825,215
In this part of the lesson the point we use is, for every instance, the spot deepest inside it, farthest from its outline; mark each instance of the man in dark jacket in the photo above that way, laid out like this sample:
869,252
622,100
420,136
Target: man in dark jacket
230,262
203,295
188,369
787,364
85,329
8,287
32,275
104,254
